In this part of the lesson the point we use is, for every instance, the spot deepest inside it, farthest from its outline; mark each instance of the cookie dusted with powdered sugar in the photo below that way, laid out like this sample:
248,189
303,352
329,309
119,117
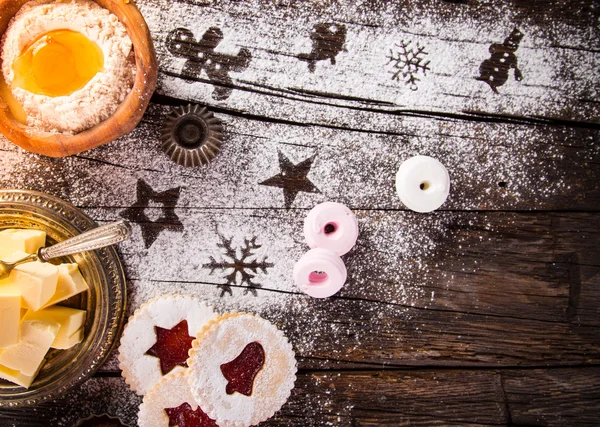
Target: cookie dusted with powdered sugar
170,403
157,339
241,369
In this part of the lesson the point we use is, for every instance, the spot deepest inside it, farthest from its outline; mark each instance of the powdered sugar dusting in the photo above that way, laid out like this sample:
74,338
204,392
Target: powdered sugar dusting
457,40
404,263
492,166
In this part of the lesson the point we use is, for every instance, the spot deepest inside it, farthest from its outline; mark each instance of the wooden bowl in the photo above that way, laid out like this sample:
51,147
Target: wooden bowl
123,120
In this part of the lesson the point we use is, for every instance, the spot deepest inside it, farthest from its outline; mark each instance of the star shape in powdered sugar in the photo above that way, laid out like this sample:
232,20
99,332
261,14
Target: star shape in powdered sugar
171,346
292,178
169,219
183,416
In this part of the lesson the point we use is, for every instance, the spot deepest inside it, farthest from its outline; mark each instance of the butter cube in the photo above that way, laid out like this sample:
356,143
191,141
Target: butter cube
70,321
69,342
70,283
17,377
37,281
10,312
15,256
26,240
28,354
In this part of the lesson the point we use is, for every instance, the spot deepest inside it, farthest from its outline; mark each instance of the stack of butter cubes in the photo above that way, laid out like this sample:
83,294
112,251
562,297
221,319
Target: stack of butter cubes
30,322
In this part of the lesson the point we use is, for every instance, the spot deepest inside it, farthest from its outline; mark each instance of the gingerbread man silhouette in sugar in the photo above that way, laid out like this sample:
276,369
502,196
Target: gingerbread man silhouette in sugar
201,55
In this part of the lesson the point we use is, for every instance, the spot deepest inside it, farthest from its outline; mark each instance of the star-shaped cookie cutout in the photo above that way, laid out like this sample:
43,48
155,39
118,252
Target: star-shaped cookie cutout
167,221
183,416
172,346
292,178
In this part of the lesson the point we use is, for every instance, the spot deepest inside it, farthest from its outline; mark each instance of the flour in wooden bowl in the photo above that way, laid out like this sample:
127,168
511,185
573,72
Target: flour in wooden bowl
34,28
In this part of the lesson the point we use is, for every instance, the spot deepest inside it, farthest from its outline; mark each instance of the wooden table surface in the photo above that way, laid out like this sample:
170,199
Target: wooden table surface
485,312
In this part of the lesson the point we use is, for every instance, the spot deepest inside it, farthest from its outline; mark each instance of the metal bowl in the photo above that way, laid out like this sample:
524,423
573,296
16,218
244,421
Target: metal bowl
105,302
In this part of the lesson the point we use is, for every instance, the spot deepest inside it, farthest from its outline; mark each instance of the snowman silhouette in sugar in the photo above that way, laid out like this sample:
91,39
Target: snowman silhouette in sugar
495,71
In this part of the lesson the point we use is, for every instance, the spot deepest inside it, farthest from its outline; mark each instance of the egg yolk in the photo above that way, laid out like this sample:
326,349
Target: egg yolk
57,63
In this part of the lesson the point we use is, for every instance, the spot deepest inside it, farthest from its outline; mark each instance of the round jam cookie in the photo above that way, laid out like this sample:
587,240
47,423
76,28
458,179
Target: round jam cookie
331,226
320,273
422,183
170,403
242,369
157,339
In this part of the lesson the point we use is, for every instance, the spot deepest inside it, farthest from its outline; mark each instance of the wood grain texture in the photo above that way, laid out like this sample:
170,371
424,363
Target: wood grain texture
548,397
461,286
556,397
556,58
516,289
483,313
492,166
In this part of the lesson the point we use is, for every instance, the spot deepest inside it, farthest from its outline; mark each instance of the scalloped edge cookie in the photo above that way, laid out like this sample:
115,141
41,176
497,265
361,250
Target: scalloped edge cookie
171,391
140,371
221,341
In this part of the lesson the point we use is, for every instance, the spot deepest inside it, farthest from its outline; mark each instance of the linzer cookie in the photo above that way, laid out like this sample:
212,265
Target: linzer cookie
241,369
157,338
170,403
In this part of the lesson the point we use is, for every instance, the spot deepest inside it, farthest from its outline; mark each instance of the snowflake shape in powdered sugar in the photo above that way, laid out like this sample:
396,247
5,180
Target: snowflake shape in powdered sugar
246,265
408,61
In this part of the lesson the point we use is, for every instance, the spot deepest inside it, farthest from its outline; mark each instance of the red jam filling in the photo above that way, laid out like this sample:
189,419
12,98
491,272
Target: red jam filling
183,416
242,370
172,346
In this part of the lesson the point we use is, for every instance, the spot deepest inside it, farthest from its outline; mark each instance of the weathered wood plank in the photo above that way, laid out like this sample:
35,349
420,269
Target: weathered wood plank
492,166
96,396
519,265
553,397
464,274
467,286
275,59
549,397
450,289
